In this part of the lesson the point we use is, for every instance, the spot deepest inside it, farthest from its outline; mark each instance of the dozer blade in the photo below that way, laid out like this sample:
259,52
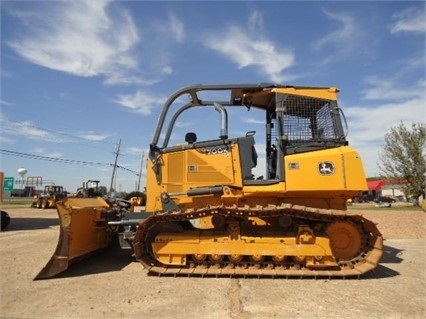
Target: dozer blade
82,232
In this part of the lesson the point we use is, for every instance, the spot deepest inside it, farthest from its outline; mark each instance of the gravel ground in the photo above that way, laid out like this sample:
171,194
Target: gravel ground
112,284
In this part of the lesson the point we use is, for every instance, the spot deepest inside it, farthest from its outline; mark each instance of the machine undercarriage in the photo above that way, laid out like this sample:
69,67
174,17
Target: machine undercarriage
291,241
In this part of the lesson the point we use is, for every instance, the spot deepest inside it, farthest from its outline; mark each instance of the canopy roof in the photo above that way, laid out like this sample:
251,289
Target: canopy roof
375,185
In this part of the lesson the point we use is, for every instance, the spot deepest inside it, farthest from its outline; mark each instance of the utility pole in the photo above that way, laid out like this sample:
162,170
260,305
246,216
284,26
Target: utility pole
114,170
140,173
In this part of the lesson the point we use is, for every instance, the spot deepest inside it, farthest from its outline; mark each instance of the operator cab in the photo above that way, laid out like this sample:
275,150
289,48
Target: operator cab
295,120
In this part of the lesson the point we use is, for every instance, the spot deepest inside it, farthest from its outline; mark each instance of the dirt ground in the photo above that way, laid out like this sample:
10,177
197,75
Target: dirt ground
112,284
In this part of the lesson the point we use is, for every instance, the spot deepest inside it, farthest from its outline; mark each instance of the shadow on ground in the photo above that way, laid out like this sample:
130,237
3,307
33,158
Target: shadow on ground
391,255
24,223
109,260
115,259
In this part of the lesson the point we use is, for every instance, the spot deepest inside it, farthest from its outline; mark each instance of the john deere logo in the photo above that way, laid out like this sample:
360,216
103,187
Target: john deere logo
326,168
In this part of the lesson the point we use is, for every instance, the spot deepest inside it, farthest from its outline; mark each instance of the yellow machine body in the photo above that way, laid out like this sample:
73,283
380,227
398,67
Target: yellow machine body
207,213
188,169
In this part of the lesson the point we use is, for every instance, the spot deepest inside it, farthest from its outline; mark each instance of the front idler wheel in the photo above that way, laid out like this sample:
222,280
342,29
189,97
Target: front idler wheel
346,240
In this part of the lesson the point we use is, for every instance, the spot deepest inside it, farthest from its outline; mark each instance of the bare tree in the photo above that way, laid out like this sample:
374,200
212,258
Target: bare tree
403,157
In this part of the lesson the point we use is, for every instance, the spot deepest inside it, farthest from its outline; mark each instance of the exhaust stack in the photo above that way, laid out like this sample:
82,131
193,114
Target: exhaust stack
223,120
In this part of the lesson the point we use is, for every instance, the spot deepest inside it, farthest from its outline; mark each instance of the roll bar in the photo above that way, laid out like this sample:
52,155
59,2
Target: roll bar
193,90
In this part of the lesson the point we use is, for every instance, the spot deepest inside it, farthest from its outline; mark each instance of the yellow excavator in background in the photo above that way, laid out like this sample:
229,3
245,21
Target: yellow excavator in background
208,214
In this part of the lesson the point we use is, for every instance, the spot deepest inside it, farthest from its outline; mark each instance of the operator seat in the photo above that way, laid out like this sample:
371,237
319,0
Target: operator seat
190,137
248,156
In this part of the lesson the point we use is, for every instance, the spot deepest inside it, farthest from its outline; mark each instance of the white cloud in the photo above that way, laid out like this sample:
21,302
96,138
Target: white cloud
162,36
255,21
167,69
43,152
122,78
368,124
385,89
342,35
93,136
250,120
140,102
410,20
372,123
251,49
28,130
3,102
5,140
181,124
4,73
83,38
176,28
347,39
167,30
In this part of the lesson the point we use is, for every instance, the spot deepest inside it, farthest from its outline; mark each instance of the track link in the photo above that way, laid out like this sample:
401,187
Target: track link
366,260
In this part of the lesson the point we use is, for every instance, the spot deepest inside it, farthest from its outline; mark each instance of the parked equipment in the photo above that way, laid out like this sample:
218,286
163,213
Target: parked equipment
49,197
90,188
137,199
208,214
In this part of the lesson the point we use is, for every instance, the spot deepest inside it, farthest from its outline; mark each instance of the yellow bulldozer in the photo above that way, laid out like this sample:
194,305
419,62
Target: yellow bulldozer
208,210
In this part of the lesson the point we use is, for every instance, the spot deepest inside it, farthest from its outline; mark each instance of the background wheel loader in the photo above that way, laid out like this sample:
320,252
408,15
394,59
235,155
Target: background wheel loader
90,188
49,197
208,210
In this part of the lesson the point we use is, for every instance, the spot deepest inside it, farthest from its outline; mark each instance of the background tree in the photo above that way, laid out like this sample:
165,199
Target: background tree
102,190
403,157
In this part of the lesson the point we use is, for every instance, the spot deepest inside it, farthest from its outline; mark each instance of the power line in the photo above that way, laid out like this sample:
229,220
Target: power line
51,159
29,124
62,160
82,139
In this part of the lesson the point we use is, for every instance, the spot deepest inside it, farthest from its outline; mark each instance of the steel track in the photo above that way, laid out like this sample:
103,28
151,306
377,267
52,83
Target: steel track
366,261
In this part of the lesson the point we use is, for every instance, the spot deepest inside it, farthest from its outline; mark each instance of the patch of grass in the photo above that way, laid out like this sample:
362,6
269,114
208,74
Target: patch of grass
17,202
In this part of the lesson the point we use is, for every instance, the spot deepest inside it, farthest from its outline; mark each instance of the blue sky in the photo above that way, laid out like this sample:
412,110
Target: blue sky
78,76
